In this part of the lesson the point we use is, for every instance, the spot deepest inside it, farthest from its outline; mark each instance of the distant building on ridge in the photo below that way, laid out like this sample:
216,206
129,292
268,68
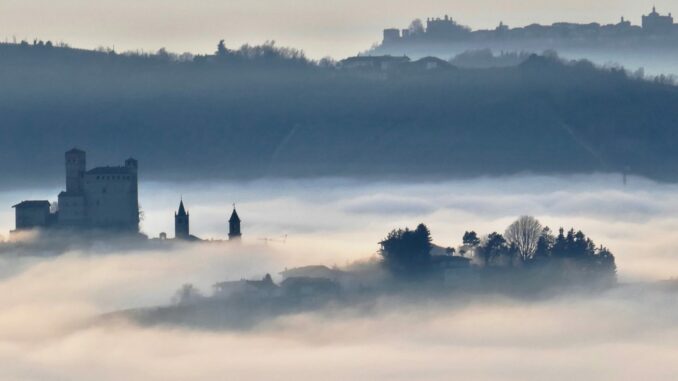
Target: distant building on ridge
447,30
657,24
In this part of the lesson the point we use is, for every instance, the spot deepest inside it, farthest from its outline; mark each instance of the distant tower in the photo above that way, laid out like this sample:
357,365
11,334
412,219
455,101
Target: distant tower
76,164
181,227
132,164
234,226
391,35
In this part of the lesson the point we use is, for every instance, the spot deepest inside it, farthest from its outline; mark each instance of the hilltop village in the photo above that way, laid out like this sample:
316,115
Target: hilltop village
654,25
102,199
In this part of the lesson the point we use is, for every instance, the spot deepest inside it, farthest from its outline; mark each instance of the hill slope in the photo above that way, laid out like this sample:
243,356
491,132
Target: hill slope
272,115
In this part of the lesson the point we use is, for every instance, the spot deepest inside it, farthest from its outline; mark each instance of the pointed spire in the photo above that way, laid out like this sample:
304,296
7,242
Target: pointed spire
234,215
234,226
182,210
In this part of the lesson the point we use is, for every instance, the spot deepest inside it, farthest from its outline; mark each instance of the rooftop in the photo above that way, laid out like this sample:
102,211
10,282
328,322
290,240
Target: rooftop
110,171
32,204
234,216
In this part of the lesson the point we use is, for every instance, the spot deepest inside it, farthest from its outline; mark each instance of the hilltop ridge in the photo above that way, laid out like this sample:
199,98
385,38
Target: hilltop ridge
269,111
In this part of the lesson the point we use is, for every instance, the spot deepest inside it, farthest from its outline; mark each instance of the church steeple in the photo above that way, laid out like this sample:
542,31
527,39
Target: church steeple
182,210
181,223
234,226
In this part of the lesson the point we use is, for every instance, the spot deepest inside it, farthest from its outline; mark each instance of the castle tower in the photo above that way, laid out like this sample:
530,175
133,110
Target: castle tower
234,226
76,165
132,164
181,223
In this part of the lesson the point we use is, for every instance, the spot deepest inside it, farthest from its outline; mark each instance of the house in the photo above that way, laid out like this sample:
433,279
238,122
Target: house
32,214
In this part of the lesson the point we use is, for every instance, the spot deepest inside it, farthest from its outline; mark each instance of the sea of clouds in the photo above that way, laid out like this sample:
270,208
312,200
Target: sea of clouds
50,327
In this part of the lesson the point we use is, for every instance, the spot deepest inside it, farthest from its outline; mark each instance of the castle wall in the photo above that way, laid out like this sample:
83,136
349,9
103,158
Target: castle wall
32,217
72,210
112,199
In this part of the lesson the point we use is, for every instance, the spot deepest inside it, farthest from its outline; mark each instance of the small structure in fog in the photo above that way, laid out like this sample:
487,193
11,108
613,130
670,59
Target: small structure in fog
234,226
32,214
182,225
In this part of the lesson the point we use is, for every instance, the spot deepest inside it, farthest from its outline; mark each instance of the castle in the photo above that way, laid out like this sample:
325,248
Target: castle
447,30
102,198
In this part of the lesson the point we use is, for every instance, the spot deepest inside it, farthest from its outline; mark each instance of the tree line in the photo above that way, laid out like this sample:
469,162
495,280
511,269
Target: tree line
265,110
526,245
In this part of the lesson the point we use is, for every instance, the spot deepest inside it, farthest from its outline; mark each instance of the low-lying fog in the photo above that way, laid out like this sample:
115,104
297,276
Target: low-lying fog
49,305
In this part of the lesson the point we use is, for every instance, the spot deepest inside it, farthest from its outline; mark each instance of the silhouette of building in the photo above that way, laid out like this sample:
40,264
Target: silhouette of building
32,214
101,198
181,223
655,23
234,226
391,34
447,30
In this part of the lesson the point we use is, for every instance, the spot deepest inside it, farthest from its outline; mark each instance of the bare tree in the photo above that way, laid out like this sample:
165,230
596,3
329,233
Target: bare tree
524,235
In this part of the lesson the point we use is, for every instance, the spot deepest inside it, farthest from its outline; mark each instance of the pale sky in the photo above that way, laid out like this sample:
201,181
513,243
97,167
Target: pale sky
338,28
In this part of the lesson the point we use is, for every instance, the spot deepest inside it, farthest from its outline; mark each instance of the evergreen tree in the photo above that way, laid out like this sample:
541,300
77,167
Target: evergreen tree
407,252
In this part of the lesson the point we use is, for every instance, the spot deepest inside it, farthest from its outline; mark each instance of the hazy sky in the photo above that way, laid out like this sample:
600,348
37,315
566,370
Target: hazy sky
338,28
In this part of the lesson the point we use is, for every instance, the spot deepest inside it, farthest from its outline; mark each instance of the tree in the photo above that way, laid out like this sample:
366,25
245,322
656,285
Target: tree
222,51
524,236
545,244
470,242
416,27
493,248
471,239
187,294
606,261
407,252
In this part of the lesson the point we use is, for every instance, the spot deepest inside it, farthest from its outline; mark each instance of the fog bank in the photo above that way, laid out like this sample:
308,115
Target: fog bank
50,325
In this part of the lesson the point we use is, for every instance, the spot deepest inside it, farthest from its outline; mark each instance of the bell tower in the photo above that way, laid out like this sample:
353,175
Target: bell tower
76,164
181,223
234,226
